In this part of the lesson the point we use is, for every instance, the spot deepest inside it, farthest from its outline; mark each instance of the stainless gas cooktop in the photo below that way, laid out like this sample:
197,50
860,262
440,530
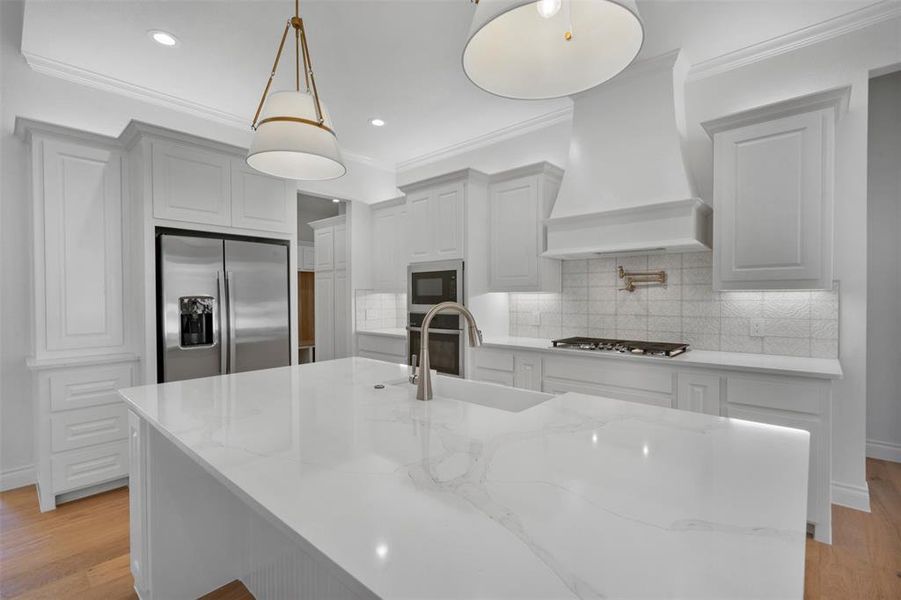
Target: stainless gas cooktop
622,346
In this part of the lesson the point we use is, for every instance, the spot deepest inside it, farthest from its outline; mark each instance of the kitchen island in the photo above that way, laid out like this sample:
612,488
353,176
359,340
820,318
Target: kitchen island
311,482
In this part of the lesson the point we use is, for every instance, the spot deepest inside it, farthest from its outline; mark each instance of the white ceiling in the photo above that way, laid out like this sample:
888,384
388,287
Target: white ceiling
396,59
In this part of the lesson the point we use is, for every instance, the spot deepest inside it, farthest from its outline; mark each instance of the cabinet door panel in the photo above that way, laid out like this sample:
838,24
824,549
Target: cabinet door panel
82,248
340,249
448,224
342,315
324,247
772,203
528,371
698,392
325,316
261,202
514,225
419,214
190,184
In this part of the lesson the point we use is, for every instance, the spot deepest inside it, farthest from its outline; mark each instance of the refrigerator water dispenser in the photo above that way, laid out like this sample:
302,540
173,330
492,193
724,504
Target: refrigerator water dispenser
196,316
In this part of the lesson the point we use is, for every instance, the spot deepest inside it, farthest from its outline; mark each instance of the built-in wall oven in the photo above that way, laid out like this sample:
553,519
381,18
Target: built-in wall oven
428,284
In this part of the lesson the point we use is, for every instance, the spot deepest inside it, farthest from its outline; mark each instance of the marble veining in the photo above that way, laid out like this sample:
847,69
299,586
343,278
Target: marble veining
579,496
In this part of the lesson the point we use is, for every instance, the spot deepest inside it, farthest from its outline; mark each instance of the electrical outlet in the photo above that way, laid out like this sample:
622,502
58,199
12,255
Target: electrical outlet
756,328
371,314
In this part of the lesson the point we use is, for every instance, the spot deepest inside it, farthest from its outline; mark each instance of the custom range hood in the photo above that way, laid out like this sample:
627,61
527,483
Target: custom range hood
627,187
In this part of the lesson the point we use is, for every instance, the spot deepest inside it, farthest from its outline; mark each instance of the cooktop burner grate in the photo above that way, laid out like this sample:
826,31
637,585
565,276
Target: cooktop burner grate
622,346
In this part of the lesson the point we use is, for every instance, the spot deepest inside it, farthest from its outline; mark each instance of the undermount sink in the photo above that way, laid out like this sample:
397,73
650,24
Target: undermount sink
492,395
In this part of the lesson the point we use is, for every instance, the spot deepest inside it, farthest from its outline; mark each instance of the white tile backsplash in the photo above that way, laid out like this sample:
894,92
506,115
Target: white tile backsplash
377,310
797,323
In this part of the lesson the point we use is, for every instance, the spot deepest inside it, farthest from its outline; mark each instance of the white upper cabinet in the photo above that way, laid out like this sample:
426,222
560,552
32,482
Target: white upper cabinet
324,248
435,211
190,184
80,265
447,221
210,184
519,202
260,201
419,210
773,194
389,246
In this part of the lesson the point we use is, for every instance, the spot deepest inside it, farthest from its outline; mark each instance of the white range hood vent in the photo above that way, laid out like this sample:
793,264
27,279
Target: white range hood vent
627,187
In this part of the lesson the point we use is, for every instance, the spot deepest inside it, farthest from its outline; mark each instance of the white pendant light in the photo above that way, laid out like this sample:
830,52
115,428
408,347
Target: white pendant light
293,135
532,50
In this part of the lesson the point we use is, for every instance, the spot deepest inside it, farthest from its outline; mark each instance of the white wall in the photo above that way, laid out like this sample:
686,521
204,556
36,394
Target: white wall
884,269
842,61
309,209
32,95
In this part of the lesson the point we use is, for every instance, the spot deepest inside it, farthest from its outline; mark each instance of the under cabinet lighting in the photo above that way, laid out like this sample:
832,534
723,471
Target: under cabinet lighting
163,38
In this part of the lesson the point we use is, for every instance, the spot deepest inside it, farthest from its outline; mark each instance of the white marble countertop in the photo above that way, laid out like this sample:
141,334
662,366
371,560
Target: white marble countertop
825,368
578,496
387,332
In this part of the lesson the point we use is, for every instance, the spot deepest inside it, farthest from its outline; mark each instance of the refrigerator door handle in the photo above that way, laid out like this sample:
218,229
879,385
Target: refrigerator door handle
223,330
232,343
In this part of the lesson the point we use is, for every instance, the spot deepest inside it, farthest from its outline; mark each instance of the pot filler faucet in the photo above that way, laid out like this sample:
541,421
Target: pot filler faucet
424,389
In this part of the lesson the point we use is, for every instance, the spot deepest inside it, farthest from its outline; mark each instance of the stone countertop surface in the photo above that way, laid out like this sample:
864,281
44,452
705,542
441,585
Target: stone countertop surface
824,368
578,496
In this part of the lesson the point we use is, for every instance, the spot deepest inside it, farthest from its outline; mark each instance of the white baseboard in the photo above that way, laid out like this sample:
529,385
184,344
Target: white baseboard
16,478
852,496
884,451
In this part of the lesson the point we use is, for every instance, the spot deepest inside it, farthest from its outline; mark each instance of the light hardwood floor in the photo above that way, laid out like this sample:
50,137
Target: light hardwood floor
80,550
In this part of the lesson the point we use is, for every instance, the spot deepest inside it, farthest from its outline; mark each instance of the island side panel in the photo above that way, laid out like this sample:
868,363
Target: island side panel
191,534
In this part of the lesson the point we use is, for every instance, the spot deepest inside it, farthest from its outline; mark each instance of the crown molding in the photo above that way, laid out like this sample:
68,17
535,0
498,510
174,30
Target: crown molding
56,68
86,77
498,135
807,36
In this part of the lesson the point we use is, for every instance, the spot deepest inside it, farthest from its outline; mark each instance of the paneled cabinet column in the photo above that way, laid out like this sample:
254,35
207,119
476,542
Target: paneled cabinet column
332,289
83,347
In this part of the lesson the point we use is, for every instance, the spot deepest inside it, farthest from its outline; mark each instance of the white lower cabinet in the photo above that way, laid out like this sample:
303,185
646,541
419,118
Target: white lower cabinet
380,347
789,401
81,428
137,484
802,403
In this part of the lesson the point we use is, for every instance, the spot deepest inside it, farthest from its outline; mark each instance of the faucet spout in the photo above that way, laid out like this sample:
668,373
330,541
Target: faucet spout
424,389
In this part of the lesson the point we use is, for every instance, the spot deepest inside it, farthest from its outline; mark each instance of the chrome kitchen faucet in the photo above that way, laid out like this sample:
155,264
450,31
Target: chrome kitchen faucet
424,389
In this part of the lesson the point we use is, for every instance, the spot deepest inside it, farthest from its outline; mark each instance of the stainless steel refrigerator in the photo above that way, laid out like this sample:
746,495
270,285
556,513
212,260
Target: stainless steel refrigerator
223,305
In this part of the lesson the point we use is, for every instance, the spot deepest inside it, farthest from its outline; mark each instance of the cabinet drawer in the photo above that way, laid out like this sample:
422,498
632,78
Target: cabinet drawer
80,388
382,345
639,377
557,386
89,466
88,426
396,359
493,376
497,360
775,393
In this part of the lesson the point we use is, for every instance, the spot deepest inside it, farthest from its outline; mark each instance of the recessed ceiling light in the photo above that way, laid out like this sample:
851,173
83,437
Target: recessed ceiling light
336,201
163,38
376,122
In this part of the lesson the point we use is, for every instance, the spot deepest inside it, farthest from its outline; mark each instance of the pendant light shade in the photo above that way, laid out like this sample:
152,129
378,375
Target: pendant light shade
532,50
293,135
294,146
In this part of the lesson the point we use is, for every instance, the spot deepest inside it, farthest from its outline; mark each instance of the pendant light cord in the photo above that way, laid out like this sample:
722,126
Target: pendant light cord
301,50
